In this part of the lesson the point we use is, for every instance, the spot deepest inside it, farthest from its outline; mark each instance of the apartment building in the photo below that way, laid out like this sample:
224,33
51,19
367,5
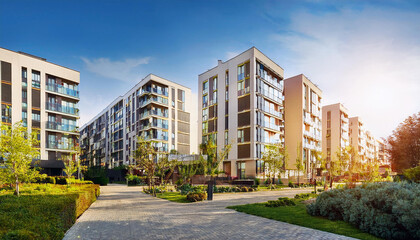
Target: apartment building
44,96
241,103
362,140
155,109
335,129
381,152
303,125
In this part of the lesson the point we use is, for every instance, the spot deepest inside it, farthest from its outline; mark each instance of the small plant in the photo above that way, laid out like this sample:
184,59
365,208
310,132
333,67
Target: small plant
196,196
305,196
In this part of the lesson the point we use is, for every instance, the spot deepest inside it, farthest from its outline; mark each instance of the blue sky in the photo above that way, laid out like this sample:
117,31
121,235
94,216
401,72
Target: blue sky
365,54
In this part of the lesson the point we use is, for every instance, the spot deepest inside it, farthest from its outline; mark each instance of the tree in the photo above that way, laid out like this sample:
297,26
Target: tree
337,165
210,159
165,168
299,164
18,148
145,158
274,157
72,162
187,171
320,163
404,144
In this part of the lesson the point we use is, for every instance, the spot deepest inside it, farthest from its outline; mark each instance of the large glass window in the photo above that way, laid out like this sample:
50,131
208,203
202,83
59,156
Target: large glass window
6,113
36,79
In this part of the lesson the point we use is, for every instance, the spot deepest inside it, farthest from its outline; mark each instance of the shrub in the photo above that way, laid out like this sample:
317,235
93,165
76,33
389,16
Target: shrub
305,196
387,210
284,201
196,197
320,190
61,180
134,180
257,181
291,184
244,189
46,179
413,174
97,175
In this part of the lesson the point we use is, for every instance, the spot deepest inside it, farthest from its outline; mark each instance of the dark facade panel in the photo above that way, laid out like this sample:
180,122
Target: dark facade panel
244,119
247,134
183,138
36,98
244,103
6,71
6,93
183,127
183,149
244,151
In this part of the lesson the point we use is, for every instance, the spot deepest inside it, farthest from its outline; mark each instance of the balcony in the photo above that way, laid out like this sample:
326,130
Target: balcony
271,126
270,80
153,113
53,87
307,119
60,146
271,96
158,100
154,125
61,127
63,109
155,91
156,136
271,111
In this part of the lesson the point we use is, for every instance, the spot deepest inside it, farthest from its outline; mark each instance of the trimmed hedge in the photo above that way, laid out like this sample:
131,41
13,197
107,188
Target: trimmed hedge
43,211
387,210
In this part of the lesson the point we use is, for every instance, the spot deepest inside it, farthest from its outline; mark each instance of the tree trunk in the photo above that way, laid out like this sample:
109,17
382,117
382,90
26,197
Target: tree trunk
17,187
298,175
210,189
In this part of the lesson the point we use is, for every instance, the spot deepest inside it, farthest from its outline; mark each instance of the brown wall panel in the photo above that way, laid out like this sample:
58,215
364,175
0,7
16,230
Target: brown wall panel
244,119
244,151
6,93
36,98
244,103
6,71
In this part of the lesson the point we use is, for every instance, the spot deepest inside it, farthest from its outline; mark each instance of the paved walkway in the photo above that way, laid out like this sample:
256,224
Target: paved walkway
126,213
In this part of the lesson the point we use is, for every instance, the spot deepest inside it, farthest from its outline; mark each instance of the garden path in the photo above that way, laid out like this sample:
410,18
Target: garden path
123,212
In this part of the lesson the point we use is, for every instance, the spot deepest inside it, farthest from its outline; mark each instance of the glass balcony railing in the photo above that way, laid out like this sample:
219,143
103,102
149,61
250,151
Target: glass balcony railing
271,111
64,109
268,78
271,95
60,146
61,127
156,125
271,125
243,91
163,92
155,113
159,100
53,87
156,136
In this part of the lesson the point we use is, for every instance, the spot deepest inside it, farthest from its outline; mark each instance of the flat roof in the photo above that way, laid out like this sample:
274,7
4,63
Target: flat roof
36,57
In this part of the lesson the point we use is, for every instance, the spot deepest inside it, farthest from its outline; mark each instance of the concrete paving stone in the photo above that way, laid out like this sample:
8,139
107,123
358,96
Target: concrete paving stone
127,213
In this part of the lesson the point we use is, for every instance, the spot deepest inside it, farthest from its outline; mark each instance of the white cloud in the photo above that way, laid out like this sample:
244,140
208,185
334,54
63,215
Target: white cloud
121,70
367,59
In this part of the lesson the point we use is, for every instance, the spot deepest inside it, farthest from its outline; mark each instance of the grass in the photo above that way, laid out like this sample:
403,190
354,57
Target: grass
297,215
173,197
43,211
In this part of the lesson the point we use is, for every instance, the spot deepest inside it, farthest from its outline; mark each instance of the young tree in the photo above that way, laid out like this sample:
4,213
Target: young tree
274,157
320,163
72,162
299,164
145,158
337,165
187,171
165,168
17,147
404,144
210,160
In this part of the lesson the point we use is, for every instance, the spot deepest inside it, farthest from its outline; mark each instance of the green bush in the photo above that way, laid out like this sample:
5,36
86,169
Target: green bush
46,179
61,180
387,210
43,211
196,197
97,175
284,201
413,174
156,190
257,181
134,180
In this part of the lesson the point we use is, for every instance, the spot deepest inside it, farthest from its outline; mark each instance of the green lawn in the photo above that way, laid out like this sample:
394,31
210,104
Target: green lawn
173,197
297,215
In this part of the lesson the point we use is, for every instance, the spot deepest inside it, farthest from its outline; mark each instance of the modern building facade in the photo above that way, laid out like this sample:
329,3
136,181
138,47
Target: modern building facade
241,103
155,109
44,96
303,123
361,139
335,129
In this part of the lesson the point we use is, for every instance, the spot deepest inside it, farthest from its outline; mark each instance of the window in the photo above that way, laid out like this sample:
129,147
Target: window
226,138
227,78
6,113
241,72
241,137
24,74
205,87
24,95
205,99
36,79
36,116
205,114
215,83
260,166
